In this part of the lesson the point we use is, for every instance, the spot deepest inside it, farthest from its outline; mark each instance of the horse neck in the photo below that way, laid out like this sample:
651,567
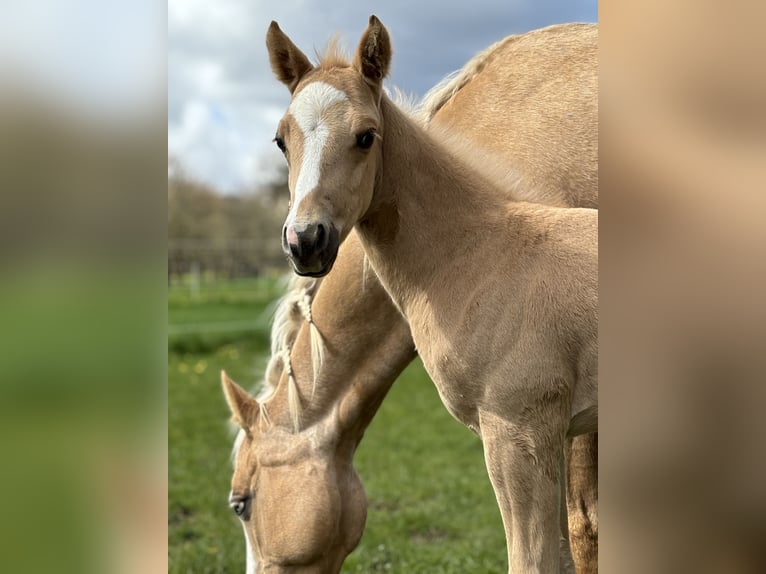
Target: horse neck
427,205
367,344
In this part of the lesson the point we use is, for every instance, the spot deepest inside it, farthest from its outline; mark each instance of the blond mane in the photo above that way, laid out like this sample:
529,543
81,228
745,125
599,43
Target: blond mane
334,54
292,310
446,89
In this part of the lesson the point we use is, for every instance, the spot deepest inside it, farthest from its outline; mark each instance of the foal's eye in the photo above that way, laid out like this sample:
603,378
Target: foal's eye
280,143
239,506
365,139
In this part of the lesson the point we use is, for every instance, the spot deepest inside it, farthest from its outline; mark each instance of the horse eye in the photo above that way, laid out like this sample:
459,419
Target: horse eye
238,506
365,139
280,144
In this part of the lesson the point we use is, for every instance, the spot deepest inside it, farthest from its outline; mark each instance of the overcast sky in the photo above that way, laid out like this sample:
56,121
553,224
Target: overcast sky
224,103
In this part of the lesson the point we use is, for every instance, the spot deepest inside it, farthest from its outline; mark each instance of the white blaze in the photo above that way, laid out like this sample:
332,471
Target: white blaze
251,562
307,109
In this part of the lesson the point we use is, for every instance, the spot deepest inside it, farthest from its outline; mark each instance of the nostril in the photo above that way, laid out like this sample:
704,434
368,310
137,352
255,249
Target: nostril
321,236
291,236
291,241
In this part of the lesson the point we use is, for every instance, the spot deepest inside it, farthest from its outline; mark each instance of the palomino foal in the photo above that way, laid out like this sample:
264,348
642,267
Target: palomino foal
500,297
365,344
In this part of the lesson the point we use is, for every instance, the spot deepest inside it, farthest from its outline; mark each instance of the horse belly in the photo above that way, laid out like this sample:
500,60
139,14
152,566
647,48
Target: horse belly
585,398
583,422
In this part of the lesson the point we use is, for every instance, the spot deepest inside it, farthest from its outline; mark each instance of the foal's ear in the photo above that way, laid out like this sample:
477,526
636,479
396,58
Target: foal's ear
244,407
373,56
287,61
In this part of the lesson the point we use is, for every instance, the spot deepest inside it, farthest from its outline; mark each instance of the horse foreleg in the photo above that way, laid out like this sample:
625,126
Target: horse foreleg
582,501
523,462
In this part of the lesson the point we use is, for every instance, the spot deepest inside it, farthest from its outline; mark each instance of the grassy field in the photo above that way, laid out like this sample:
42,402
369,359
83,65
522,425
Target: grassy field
431,504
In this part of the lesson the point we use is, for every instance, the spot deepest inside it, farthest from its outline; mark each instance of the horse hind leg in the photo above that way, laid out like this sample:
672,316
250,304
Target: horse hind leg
582,501
523,462
565,553
566,565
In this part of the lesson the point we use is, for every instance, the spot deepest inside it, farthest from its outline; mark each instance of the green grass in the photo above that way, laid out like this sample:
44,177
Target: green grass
222,313
431,507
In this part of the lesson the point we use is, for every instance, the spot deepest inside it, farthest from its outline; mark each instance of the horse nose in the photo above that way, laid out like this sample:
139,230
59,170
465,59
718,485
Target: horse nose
306,239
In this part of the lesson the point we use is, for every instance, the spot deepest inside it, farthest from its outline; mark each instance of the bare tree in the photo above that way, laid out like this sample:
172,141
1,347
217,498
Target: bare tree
223,235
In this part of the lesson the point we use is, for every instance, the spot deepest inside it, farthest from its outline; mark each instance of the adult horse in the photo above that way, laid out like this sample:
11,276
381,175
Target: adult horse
333,409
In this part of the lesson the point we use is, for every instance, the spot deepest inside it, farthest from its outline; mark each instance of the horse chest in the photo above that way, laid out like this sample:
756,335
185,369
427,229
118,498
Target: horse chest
457,381
460,394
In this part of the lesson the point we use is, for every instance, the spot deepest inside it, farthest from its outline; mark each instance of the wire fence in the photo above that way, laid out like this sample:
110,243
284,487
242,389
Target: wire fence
218,287
211,260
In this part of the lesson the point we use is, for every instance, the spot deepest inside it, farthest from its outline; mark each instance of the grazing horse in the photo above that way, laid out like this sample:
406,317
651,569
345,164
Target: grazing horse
361,359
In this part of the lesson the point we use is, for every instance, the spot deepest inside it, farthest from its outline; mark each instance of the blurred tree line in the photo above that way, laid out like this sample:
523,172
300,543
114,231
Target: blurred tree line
213,235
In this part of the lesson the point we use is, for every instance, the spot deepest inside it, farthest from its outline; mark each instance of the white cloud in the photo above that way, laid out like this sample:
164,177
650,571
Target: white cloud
218,144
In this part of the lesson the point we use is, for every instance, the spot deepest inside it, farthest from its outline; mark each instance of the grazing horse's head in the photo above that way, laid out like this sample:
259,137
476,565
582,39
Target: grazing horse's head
331,138
300,501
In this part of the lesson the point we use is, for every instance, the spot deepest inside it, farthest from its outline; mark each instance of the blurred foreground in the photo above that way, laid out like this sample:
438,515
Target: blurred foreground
82,277
683,276
82,398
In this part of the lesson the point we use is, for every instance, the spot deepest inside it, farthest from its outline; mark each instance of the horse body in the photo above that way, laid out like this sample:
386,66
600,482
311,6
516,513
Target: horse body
423,215
533,100
528,265
512,350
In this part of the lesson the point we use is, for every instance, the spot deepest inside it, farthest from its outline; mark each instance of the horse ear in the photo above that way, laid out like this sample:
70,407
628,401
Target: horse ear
373,56
244,407
287,61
